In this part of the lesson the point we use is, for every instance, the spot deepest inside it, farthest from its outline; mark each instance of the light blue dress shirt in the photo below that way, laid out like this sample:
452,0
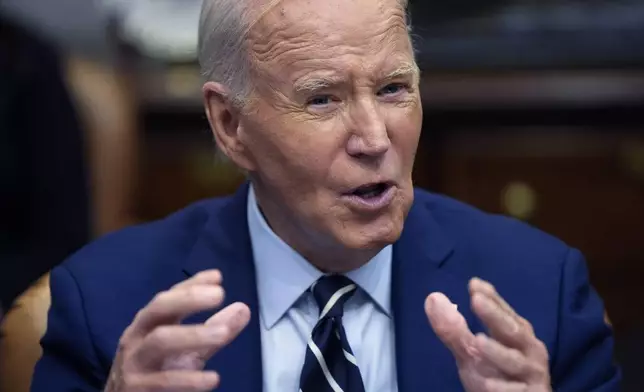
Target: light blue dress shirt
288,311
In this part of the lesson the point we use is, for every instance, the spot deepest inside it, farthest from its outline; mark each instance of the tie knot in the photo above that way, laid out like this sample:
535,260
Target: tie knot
331,293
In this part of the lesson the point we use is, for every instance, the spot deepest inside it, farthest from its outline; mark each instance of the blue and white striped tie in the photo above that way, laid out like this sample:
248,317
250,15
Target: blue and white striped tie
330,365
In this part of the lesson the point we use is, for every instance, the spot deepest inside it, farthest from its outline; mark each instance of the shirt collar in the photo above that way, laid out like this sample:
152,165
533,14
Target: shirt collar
283,275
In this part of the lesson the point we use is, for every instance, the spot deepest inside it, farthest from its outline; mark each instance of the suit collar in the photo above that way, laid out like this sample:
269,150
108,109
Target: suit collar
420,267
422,237
225,244
224,237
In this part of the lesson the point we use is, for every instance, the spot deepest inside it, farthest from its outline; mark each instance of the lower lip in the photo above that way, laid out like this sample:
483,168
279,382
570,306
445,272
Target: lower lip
373,203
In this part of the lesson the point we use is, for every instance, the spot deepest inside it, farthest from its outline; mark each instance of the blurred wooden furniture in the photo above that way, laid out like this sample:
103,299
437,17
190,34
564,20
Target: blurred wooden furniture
108,109
586,188
178,161
563,151
108,112
21,331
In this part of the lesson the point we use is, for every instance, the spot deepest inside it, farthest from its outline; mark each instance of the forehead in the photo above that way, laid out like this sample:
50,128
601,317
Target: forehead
301,33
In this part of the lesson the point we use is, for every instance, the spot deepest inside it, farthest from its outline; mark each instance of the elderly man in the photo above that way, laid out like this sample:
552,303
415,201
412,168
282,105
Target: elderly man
338,275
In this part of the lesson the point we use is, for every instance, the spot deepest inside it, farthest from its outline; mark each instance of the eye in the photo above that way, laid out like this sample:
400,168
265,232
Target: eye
392,89
320,100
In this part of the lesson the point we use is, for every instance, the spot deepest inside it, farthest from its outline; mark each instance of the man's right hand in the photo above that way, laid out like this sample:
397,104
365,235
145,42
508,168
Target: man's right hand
156,353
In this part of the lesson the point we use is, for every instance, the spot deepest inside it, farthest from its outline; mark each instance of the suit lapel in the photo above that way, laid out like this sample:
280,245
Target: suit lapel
225,244
419,268
420,264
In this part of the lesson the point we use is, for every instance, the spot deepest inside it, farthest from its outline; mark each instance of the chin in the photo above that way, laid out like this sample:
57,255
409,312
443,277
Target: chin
355,231
377,233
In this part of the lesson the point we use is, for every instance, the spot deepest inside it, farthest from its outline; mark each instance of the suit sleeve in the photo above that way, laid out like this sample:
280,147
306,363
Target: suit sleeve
583,361
69,362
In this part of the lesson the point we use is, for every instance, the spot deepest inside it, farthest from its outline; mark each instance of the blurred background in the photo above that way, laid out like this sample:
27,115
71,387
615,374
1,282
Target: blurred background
533,109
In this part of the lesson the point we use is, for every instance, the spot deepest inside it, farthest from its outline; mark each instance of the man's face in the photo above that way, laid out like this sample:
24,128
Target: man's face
334,124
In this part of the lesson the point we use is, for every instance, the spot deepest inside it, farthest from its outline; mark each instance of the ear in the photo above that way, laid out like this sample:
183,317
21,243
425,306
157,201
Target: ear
225,124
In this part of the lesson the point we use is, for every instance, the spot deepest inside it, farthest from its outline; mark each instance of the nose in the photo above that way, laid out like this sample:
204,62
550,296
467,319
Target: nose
369,136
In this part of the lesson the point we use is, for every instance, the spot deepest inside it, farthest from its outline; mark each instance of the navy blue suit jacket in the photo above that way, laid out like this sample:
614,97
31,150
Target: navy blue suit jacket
96,294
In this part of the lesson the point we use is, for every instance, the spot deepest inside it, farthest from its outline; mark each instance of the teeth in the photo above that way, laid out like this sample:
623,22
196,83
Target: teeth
369,194
371,191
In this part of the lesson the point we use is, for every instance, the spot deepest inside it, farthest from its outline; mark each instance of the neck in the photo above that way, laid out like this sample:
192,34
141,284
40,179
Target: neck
322,252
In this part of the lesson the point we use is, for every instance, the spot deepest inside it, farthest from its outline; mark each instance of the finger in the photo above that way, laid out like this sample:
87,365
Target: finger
209,277
499,385
172,340
232,319
508,361
450,326
501,325
172,306
484,287
532,345
173,380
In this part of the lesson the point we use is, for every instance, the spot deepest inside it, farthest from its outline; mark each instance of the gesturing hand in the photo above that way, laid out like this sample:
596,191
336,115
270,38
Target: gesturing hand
156,353
510,359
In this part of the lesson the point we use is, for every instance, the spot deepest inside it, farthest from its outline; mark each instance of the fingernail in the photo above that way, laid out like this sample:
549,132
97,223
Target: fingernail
214,292
447,308
238,318
438,302
218,332
483,302
483,285
430,303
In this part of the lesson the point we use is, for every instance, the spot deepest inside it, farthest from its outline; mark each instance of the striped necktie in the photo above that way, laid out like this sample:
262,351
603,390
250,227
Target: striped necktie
330,365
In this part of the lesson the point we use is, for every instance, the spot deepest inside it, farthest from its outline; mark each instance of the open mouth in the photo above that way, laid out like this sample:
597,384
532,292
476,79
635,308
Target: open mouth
371,191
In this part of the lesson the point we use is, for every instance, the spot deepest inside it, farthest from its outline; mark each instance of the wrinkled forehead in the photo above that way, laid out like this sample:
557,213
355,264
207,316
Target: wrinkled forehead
280,25
291,10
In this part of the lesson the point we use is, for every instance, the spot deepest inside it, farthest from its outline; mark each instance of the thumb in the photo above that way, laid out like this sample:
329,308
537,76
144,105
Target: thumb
450,326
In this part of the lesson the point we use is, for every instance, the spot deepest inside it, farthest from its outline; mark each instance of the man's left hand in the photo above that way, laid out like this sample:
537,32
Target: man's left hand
509,359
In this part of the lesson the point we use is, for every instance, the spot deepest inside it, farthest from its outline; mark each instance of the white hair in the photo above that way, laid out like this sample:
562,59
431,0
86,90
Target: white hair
222,54
221,51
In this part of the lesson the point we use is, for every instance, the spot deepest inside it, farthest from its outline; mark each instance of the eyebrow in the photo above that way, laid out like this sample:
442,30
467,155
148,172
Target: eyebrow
405,70
317,83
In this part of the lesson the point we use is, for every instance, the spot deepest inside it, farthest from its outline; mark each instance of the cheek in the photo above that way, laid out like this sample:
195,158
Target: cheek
298,154
405,126
310,155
